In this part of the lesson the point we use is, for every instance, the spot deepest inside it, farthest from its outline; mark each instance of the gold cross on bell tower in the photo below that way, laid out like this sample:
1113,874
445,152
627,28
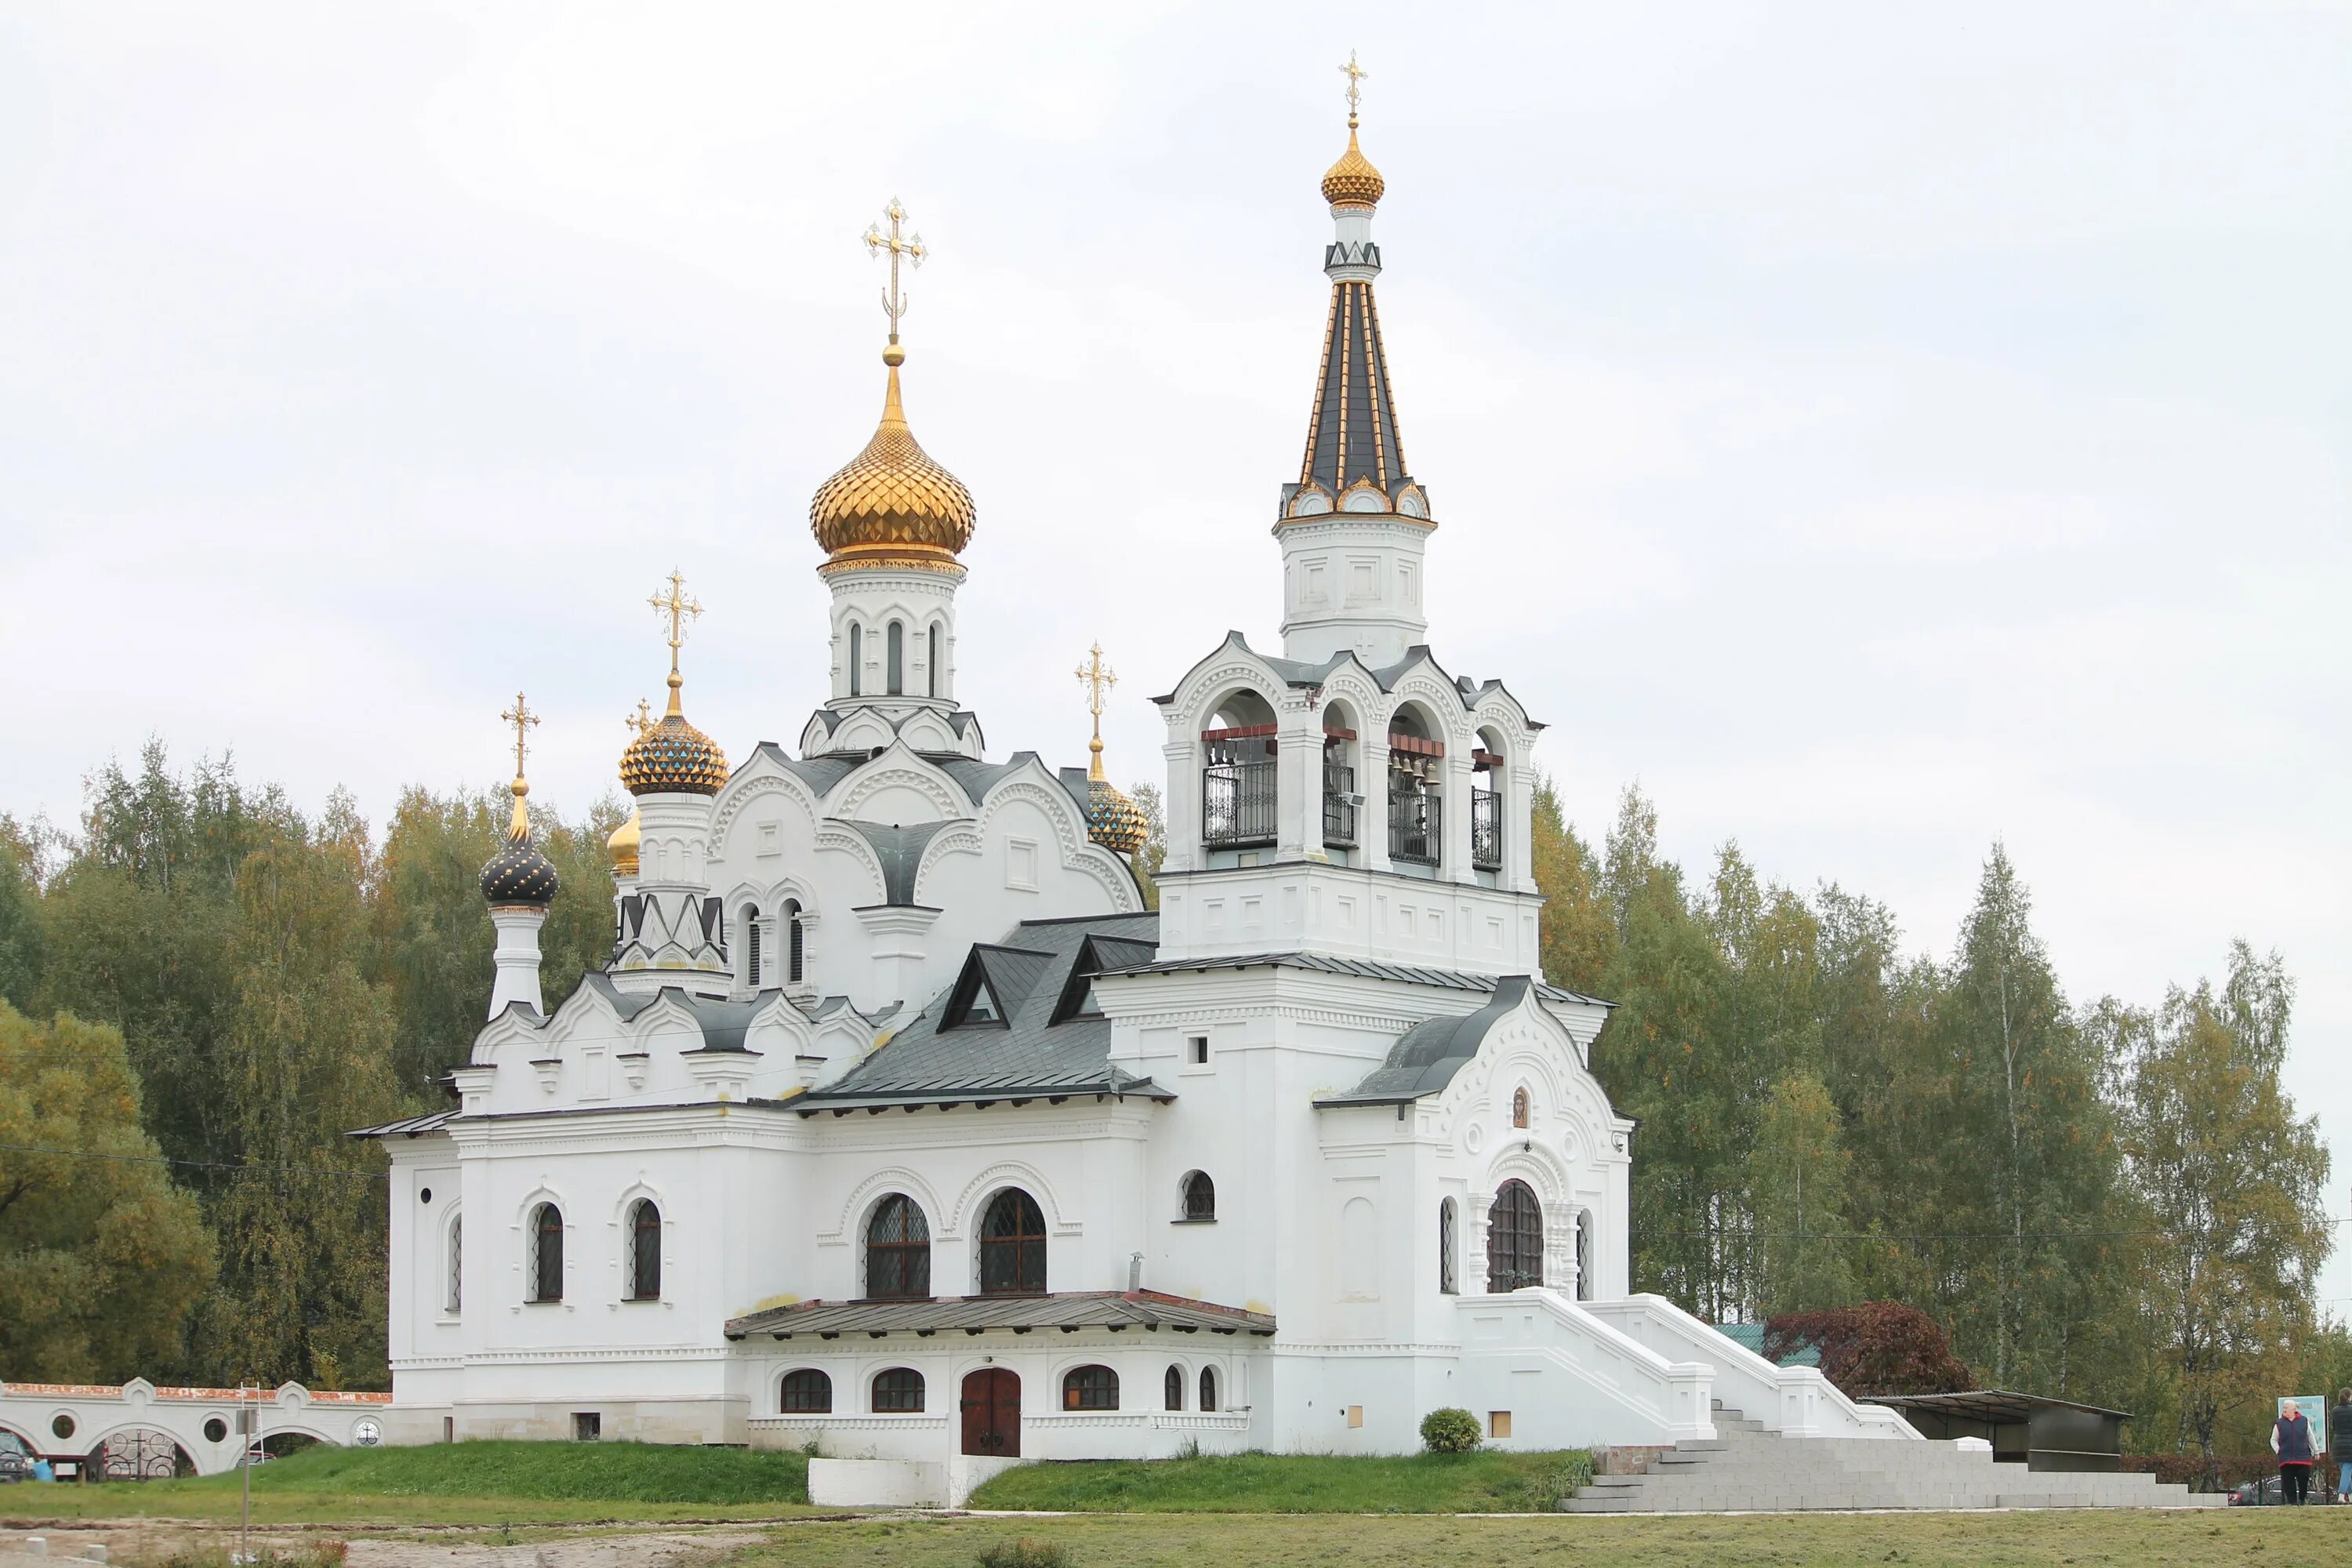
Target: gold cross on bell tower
524,721
676,608
1354,75
1097,678
894,303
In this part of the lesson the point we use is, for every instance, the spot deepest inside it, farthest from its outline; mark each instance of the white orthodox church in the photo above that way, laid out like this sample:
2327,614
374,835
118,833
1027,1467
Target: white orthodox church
898,1123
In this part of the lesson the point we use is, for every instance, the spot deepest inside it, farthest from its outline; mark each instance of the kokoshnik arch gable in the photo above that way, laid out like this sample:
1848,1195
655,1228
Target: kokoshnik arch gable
897,1122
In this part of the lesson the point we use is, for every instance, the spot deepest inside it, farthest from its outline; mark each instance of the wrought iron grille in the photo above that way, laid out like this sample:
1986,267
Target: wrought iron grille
1338,811
1485,830
140,1454
1416,821
1237,803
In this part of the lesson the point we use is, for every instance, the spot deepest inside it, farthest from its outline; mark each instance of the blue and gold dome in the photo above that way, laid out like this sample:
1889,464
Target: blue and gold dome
1113,821
519,876
673,757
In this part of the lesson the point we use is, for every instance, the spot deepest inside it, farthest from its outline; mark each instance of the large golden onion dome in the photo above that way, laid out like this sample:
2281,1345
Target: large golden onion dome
1352,181
621,846
892,505
673,757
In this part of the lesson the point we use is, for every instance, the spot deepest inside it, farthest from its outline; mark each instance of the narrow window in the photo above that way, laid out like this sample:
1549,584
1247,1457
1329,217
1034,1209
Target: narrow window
1090,1388
456,1265
856,661
931,663
895,658
1171,1389
645,1251
897,1250
1012,1246
1520,1107
547,1253
751,945
1209,1406
1200,1196
807,1392
1448,1282
795,942
898,1391
1196,1051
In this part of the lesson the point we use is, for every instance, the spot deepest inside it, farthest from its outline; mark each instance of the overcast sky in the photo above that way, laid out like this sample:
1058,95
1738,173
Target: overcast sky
1878,429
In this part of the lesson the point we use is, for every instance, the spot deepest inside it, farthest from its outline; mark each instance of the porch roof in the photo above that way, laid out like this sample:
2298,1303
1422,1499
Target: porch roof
1068,1311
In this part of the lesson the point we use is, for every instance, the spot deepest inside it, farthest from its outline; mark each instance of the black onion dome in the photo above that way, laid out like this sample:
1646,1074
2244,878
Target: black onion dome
519,873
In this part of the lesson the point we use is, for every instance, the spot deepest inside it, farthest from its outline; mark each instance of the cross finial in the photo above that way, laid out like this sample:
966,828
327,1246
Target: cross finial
524,721
642,719
910,246
1354,75
1097,678
674,607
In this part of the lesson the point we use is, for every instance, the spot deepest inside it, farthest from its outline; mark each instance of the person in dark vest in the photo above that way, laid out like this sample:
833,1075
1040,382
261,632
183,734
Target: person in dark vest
2339,1429
2291,1441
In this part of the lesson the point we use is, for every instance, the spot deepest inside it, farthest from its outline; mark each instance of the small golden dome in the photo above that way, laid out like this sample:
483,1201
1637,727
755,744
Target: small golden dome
623,845
673,757
1352,181
891,502
1113,821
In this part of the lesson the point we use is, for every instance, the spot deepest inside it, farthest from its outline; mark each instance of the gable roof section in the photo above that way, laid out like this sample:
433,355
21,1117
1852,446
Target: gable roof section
1426,1056
900,850
930,1061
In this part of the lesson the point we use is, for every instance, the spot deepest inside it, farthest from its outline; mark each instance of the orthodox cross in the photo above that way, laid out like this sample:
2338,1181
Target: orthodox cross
1096,677
894,303
642,719
1354,75
524,720
676,608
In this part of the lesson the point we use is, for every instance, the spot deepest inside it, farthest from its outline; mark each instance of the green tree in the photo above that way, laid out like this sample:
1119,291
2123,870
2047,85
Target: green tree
20,914
1798,1184
1147,860
2230,1179
100,1254
1579,930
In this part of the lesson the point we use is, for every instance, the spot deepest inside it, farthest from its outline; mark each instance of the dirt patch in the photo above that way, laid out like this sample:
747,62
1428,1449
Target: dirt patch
151,1541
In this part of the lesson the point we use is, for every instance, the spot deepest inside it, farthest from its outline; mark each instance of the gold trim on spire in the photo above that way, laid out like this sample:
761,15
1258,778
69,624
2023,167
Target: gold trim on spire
891,505
1113,821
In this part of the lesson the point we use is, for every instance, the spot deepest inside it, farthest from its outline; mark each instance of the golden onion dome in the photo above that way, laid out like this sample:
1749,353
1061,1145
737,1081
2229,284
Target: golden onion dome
673,757
1352,181
892,504
1113,821
621,846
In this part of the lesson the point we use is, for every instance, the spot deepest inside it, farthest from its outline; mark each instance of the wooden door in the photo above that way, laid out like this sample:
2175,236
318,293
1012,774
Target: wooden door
992,1412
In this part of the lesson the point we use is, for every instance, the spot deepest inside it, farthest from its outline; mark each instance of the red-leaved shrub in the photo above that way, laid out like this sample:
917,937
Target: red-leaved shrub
1878,1347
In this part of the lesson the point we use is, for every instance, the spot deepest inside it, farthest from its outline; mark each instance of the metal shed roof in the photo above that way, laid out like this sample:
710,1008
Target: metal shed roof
1068,1311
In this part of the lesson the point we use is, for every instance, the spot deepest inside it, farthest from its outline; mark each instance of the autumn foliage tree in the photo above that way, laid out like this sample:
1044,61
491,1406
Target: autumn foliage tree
1874,1347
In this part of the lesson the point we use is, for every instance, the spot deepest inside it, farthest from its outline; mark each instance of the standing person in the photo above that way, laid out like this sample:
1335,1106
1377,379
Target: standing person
2291,1441
2339,1426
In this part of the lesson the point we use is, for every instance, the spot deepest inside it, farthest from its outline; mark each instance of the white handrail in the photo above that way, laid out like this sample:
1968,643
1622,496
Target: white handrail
1796,1401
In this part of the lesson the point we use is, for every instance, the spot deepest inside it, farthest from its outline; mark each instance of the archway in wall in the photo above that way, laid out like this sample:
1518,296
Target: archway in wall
1416,788
1343,786
1237,773
138,1454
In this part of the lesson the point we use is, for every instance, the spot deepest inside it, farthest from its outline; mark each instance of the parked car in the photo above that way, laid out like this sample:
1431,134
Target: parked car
2264,1493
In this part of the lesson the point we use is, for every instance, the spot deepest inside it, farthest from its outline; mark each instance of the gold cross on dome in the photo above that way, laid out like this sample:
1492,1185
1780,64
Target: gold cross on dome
1096,677
524,721
677,609
910,246
642,719
1354,75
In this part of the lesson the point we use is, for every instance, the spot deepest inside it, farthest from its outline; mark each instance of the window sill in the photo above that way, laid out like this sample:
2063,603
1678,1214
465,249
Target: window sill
1211,1219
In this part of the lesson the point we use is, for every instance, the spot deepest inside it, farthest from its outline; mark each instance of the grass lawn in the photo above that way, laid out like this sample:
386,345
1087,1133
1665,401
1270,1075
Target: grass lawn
1485,1483
458,1483
2100,1537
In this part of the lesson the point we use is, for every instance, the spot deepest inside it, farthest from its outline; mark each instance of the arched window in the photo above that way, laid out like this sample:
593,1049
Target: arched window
546,1242
751,921
644,1256
795,942
856,661
807,1392
1513,1239
1200,1196
1171,1389
457,1260
1209,1406
897,1250
1449,1280
898,1391
1090,1388
932,663
1012,1246
1519,1106
894,644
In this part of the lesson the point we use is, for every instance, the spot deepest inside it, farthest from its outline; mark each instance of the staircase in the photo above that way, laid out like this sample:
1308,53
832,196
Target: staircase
1745,1468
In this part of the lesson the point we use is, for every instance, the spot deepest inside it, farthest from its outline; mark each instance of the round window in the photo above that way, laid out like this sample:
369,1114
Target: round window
63,1426
216,1430
424,1195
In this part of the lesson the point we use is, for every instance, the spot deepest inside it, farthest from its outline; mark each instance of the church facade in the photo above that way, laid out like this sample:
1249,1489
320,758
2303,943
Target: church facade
899,1124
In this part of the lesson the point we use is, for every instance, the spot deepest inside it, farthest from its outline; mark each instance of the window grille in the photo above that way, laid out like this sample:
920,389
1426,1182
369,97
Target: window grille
1200,1196
645,1251
1090,1388
898,1391
547,1253
1486,829
807,1392
1012,1246
897,1250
